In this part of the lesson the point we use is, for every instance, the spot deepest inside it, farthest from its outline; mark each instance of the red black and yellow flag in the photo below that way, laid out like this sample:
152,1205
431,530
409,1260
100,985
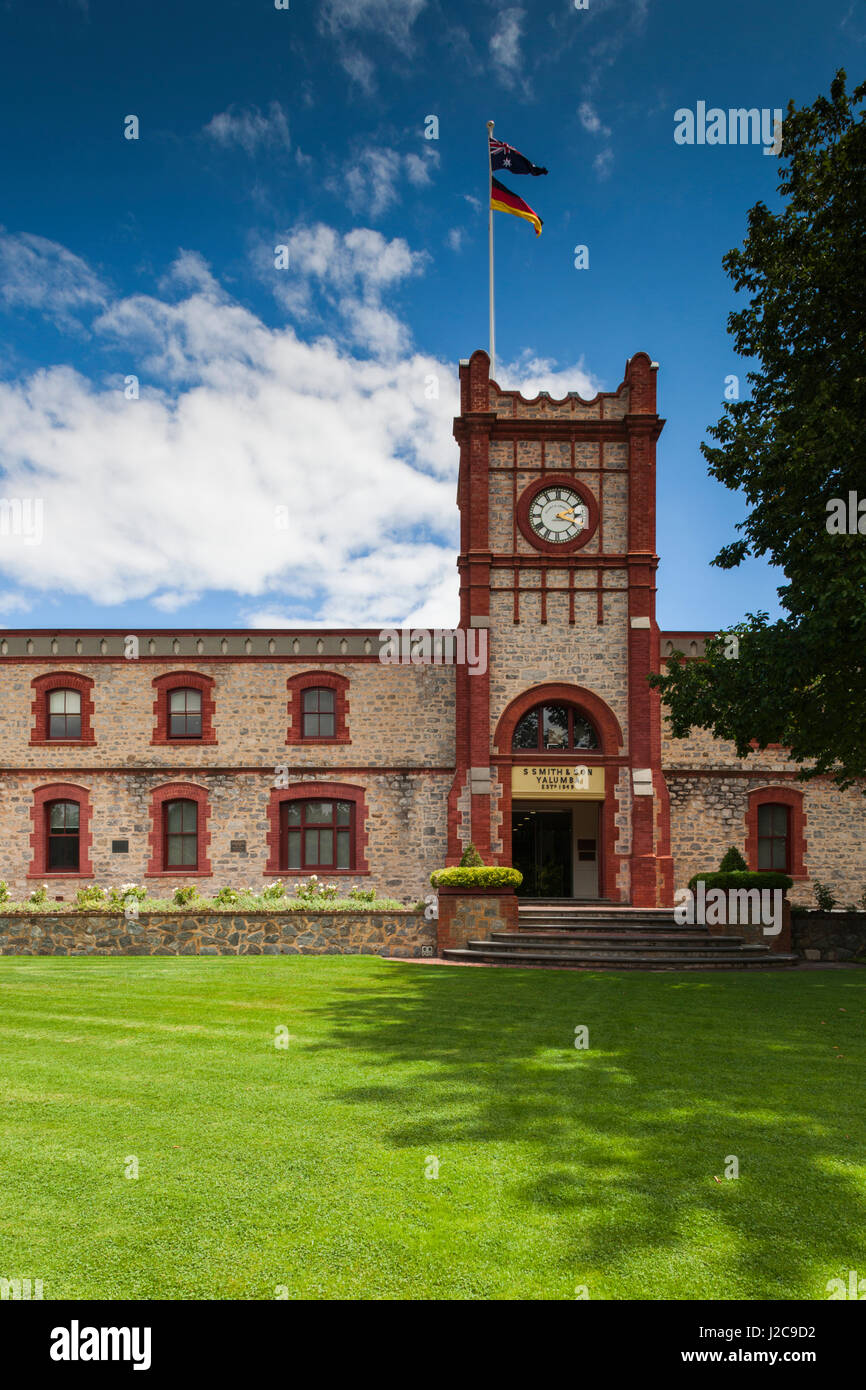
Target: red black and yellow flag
503,200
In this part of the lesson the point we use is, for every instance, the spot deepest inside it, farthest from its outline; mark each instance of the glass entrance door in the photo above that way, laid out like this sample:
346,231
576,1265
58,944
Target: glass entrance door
541,848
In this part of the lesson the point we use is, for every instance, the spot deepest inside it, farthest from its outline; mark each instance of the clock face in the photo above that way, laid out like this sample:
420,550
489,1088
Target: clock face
558,514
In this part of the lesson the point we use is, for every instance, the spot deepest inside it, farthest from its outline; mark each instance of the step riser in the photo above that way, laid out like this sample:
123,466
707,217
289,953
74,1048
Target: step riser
606,962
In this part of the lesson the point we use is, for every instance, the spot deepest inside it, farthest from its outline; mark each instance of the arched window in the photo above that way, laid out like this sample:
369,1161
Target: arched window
62,836
184,713
316,834
180,828
64,713
554,729
774,836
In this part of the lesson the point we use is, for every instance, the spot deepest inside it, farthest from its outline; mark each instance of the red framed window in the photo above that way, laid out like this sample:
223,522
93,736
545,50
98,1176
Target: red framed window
776,831
183,708
64,714
179,837
317,827
62,708
318,705
774,821
316,835
62,837
180,832
318,708
184,713
554,728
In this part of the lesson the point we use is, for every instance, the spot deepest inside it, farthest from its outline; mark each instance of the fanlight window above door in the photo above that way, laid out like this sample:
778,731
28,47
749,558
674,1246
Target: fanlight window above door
554,729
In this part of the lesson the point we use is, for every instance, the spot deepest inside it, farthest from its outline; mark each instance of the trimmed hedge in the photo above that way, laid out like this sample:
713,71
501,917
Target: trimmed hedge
751,878
484,876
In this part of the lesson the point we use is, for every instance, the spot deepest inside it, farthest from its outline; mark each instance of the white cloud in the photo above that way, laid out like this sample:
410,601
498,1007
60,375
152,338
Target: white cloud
39,274
314,485
350,272
344,20
372,179
602,162
590,119
249,128
505,44
392,19
455,238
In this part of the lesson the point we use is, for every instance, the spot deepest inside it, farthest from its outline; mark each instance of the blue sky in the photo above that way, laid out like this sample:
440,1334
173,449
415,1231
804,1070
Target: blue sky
287,460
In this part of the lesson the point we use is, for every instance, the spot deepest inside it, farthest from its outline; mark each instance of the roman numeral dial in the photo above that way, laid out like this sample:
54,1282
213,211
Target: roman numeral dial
558,514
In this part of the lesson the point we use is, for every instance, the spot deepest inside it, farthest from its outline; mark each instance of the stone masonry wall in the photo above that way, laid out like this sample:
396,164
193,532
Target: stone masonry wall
397,715
406,831
829,936
393,934
708,814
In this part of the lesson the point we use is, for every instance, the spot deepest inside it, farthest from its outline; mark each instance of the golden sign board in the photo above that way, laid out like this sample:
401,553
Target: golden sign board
554,779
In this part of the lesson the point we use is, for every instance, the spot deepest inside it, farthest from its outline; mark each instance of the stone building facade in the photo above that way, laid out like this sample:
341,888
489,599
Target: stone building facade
233,758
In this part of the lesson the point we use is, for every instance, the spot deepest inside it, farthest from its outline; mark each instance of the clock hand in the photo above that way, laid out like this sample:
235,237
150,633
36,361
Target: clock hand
566,516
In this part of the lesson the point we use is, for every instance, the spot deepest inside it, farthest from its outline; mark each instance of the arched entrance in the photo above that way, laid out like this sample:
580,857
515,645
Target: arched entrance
558,753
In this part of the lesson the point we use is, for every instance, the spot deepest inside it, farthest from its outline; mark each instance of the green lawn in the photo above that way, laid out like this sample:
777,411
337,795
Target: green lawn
304,1167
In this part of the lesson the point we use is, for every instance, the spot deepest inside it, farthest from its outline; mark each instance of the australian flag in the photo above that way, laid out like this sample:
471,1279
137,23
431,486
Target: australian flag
504,156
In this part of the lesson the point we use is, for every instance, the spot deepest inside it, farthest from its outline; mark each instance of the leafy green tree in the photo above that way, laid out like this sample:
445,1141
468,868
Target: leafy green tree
794,446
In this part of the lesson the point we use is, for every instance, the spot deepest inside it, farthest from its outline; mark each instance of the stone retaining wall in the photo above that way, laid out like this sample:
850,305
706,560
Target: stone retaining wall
196,933
829,935
467,914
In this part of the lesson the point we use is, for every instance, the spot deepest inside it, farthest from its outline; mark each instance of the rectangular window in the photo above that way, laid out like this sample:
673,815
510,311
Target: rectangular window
63,836
64,714
184,713
181,835
317,835
773,837
319,713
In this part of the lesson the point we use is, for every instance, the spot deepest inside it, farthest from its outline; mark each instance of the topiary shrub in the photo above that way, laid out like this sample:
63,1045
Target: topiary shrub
485,876
752,878
227,897
273,892
470,858
733,862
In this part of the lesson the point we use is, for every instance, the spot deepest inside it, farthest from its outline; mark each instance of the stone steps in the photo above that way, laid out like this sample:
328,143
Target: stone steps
737,958
595,936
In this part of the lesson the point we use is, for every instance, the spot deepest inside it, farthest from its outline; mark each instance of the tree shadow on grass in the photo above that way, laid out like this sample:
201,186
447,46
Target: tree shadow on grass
626,1138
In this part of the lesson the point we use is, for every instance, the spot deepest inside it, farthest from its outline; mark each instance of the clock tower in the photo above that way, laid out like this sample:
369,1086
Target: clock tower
558,740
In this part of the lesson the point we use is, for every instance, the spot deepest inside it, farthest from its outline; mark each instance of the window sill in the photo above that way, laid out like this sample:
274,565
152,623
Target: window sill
178,873
323,873
54,876
182,742
315,742
62,742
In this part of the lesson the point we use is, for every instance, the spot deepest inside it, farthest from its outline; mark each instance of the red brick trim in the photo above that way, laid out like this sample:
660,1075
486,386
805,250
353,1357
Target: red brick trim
59,791
526,498
783,796
177,791
61,680
309,680
182,680
318,791
601,715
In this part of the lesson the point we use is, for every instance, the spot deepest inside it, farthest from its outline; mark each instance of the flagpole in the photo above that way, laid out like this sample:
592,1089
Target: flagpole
490,238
